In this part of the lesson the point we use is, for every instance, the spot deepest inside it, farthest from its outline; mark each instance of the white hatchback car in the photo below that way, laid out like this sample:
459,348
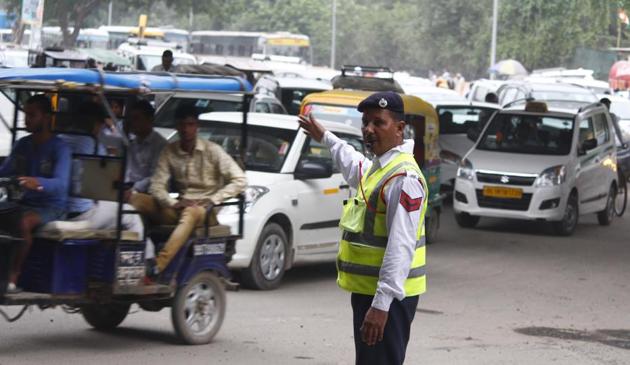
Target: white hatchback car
294,197
540,161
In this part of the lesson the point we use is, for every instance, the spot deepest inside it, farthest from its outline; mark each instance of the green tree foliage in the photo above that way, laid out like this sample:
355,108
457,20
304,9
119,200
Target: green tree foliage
412,35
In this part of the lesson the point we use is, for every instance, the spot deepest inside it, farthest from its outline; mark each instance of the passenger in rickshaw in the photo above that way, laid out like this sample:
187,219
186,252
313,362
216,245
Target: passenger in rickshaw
145,146
100,214
203,174
42,163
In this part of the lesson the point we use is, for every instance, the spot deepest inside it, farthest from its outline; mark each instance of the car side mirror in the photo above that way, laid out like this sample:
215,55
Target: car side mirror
472,134
307,170
587,145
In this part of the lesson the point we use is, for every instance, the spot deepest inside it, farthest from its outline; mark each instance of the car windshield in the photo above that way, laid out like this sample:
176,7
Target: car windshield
348,115
528,133
165,118
458,120
565,94
267,147
292,99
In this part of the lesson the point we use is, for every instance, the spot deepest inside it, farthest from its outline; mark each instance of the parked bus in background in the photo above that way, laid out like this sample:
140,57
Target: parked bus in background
92,38
179,36
291,47
118,34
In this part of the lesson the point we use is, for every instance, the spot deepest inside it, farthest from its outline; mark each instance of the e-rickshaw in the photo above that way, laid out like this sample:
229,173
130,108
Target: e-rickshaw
422,126
101,273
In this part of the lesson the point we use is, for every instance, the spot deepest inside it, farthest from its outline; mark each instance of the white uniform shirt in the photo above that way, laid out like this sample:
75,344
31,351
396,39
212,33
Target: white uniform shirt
402,225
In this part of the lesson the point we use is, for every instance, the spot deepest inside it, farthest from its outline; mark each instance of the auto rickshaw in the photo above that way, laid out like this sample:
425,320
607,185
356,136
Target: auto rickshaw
422,126
100,273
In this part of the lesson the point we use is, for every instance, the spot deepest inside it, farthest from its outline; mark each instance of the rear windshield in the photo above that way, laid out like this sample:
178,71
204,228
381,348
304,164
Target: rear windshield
458,120
267,147
530,134
348,115
165,118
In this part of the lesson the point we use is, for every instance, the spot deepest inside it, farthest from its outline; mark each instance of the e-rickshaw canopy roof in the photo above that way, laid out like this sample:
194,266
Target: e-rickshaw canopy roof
49,78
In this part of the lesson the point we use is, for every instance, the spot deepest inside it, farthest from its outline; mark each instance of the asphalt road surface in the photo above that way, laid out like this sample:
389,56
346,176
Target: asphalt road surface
504,293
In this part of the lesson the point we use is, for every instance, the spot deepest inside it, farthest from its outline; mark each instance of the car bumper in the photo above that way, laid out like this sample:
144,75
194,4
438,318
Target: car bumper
245,247
544,203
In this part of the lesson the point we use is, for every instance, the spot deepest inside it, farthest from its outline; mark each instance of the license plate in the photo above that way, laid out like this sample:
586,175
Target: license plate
501,192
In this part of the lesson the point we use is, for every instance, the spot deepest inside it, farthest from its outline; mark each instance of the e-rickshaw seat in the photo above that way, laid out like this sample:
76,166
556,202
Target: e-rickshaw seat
80,230
98,180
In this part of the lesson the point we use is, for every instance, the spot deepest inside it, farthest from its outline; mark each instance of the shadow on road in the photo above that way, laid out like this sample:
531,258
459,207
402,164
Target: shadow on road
616,338
310,273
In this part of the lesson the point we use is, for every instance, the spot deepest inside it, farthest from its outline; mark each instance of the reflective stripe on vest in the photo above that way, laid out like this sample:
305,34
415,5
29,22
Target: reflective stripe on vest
361,251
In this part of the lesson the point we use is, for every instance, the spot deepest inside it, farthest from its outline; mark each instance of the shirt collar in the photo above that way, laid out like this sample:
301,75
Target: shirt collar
387,157
199,146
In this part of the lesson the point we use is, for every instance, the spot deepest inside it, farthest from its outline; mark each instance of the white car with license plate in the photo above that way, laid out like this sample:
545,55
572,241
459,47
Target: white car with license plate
294,198
540,161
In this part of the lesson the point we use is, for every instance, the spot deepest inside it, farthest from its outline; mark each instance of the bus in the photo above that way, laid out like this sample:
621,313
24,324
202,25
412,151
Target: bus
288,46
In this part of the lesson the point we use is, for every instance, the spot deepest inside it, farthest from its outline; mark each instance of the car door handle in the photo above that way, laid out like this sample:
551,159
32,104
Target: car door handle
344,186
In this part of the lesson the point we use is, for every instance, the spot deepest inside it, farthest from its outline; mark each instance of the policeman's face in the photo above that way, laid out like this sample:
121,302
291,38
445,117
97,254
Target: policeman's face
35,120
381,130
187,129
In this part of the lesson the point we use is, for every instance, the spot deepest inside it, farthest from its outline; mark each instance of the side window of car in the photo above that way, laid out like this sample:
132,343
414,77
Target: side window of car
602,132
314,151
262,107
586,130
277,109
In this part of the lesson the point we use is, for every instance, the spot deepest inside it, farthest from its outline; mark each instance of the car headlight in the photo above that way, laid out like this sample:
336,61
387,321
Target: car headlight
552,176
252,194
465,170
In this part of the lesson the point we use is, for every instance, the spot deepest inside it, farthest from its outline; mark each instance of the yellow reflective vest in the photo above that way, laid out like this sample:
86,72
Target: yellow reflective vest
364,236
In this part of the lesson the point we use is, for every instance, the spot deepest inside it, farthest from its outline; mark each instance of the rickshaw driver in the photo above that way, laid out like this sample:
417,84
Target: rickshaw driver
100,214
204,175
42,161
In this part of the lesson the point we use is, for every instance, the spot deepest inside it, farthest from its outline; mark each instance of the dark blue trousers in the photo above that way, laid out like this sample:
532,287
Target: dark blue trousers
390,351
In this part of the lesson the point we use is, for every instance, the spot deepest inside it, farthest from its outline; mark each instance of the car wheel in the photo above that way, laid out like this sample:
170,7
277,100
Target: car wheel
270,259
466,220
569,221
104,317
432,226
198,309
605,217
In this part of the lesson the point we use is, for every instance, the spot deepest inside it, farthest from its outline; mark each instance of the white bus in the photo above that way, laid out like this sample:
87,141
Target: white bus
248,44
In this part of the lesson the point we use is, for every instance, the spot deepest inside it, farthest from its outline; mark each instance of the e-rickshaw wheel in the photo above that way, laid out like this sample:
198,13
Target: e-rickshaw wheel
199,308
105,317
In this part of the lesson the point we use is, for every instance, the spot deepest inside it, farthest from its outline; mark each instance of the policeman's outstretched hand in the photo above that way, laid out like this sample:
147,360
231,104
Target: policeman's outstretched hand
373,326
312,126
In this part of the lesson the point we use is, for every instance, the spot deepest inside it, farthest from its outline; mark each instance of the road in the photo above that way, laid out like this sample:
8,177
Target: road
506,292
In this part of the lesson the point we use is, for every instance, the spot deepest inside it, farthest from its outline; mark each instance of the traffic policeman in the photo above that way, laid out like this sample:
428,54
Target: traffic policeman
382,250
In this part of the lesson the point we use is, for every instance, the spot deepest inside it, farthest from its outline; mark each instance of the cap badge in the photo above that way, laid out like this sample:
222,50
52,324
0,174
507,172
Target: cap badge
382,103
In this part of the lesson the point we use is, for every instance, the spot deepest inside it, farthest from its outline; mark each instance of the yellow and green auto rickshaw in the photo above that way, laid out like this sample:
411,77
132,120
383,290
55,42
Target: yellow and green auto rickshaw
340,105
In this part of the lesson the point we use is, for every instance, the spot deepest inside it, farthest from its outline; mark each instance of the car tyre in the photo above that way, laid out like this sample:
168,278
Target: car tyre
270,259
605,217
199,309
466,220
105,317
432,226
568,224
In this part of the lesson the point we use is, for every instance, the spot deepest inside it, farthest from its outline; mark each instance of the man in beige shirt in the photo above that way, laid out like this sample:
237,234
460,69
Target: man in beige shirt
204,175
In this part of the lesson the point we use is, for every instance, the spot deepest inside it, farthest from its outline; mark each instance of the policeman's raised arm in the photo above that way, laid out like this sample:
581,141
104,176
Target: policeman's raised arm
345,156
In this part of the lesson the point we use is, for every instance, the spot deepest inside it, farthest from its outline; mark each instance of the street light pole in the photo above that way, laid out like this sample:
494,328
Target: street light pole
333,40
109,12
493,47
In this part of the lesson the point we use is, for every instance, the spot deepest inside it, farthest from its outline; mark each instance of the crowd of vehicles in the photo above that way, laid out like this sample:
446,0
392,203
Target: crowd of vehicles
544,149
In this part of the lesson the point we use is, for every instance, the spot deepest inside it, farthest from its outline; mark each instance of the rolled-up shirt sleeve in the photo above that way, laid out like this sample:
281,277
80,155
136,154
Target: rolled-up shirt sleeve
346,158
402,227
233,177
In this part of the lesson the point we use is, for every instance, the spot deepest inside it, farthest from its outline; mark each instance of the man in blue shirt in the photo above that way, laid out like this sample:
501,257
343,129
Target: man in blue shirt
41,161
